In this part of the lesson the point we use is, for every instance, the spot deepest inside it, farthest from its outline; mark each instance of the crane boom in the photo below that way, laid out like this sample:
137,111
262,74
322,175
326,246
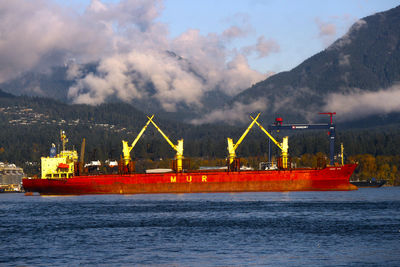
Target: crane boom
126,149
178,148
232,147
140,134
267,133
246,132
163,134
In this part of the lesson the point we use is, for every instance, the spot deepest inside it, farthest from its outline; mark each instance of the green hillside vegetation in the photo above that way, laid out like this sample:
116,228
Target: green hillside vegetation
30,125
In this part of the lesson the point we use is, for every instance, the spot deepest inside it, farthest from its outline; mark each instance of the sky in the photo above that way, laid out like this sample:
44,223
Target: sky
184,48
299,28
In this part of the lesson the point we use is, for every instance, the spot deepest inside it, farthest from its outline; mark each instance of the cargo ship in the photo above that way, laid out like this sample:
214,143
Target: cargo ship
64,174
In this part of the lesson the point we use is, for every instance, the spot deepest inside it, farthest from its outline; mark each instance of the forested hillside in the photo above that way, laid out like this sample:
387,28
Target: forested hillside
30,125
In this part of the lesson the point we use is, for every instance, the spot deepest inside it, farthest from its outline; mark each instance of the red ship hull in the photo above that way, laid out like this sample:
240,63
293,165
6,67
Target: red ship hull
329,178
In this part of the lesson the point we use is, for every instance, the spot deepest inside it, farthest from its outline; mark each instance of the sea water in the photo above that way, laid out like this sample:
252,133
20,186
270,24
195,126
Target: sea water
357,228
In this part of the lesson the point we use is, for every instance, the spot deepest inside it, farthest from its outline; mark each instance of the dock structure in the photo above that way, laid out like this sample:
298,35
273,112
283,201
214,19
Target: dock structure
10,177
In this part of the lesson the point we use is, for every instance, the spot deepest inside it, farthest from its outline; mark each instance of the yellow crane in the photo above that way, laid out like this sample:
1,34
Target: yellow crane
232,147
178,148
284,146
126,149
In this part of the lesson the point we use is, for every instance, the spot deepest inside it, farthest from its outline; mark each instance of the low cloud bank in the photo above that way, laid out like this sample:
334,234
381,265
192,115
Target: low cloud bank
238,112
359,104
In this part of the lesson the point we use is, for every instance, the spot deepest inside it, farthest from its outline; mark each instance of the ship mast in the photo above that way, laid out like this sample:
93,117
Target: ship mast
64,139
342,153
82,158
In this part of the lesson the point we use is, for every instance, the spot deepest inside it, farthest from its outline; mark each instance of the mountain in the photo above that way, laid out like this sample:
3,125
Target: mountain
349,78
366,59
55,83
5,95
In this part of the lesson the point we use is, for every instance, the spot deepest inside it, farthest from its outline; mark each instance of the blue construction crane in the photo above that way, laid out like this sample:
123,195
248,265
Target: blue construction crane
279,126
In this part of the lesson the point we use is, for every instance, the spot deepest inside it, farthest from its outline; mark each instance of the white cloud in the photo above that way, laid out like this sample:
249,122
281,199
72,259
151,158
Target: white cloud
200,65
265,47
326,31
262,48
325,28
234,32
130,46
39,34
238,112
113,80
359,104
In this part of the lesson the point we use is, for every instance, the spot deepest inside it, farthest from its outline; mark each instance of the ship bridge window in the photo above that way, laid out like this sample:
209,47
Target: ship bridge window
48,175
63,175
56,175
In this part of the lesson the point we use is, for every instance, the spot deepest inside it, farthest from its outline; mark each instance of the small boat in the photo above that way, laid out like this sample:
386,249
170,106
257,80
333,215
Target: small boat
369,183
